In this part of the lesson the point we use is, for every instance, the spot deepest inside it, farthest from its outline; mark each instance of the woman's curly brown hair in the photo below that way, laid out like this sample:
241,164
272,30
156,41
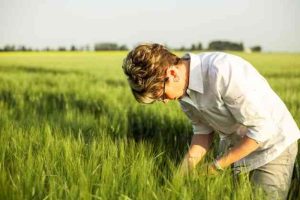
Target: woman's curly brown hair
145,67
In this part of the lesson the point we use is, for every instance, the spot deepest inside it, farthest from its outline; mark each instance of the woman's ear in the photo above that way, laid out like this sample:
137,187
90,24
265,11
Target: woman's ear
172,73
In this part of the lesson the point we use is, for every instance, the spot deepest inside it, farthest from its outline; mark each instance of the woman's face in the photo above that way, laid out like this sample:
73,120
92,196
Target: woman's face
175,86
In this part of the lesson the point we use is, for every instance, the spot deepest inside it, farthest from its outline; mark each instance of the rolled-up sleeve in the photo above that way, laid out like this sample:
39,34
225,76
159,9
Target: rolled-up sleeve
198,126
244,93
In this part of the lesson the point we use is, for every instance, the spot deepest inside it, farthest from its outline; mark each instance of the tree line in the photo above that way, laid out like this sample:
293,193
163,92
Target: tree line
217,45
97,47
220,45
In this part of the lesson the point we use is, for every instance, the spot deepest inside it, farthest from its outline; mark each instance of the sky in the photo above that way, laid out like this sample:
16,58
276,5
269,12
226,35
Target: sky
273,24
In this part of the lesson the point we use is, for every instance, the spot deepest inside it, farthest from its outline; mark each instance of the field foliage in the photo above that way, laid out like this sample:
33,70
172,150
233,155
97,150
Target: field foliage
70,129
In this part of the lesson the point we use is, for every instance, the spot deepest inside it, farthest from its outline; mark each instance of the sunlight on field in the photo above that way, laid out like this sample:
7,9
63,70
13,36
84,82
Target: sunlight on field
70,128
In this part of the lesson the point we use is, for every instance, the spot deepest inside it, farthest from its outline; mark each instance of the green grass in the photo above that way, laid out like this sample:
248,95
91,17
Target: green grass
70,129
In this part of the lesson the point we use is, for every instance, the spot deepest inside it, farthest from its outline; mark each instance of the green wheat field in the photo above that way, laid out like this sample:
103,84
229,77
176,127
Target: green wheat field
71,129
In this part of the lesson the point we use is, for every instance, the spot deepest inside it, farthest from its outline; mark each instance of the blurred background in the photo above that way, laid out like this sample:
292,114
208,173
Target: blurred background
269,25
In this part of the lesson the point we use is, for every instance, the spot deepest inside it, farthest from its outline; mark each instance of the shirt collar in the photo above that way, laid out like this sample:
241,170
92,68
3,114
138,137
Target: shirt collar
195,76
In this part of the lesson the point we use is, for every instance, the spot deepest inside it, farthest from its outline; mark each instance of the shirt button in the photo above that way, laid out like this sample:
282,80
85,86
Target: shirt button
188,91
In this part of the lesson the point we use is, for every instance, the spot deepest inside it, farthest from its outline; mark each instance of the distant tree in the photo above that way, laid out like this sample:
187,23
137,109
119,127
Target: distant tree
256,48
106,46
182,48
199,47
61,48
193,47
73,48
225,45
22,48
9,48
196,47
240,47
47,49
123,47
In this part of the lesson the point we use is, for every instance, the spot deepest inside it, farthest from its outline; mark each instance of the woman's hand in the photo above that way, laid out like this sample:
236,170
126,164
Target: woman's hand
211,170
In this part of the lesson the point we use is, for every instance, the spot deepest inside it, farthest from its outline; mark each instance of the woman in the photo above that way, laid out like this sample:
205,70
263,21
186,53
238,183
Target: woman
221,94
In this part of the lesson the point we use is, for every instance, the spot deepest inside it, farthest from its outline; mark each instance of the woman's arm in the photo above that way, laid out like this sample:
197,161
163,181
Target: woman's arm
199,146
238,152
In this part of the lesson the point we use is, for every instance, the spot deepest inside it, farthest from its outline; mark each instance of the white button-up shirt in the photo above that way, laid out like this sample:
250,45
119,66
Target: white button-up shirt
226,94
